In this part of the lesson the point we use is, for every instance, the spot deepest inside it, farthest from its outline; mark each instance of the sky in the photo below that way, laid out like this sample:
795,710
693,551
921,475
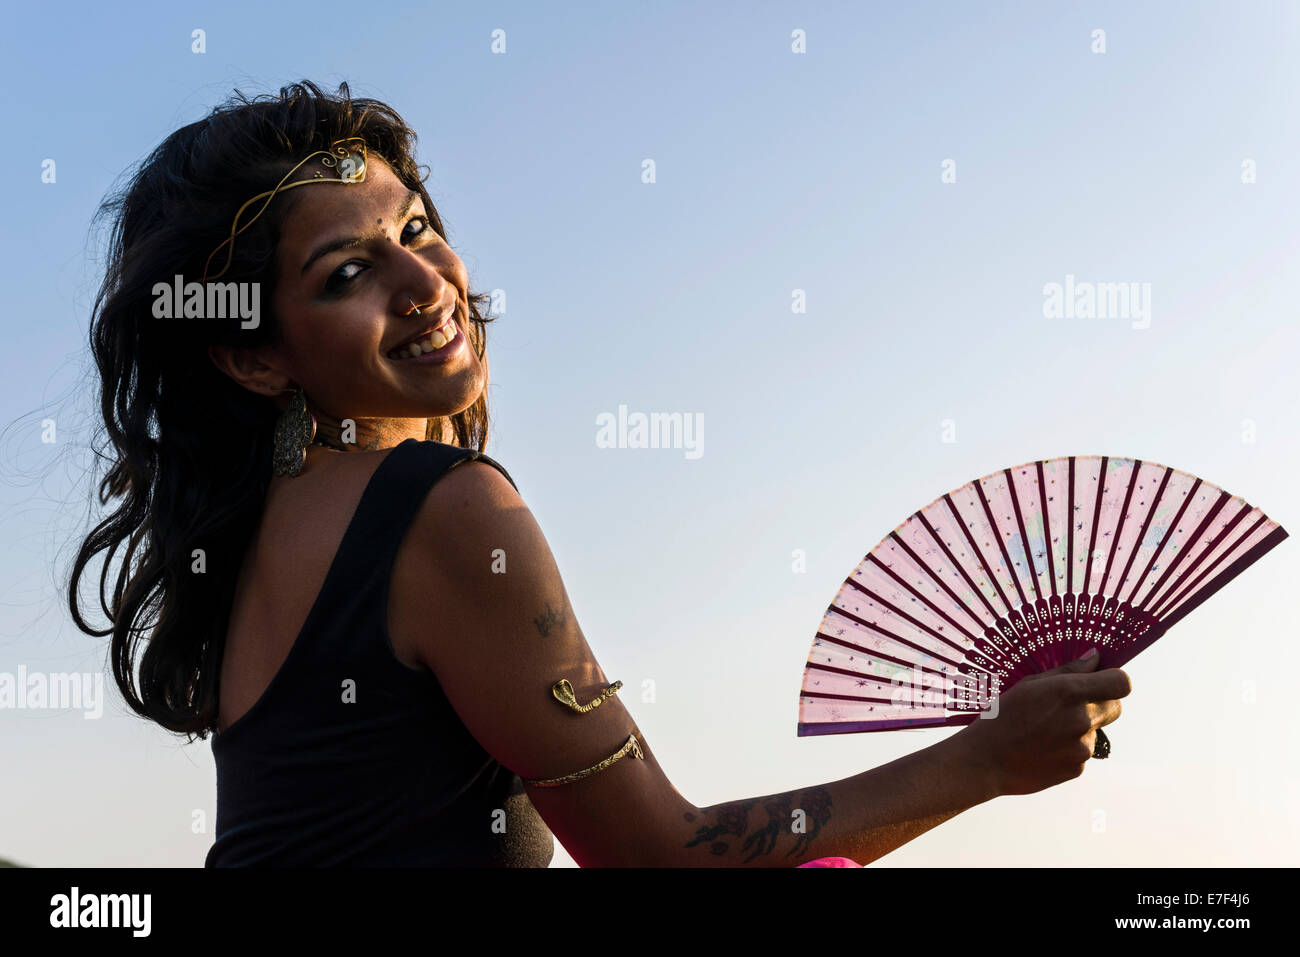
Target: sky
838,270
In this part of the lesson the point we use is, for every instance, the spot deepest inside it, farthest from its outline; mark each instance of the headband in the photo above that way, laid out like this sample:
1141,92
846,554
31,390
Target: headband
346,156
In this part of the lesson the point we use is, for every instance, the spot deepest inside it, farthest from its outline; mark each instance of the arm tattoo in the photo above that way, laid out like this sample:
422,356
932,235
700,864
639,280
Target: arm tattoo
732,821
548,620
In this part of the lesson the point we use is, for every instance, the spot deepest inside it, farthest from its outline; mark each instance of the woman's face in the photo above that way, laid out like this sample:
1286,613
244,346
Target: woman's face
344,311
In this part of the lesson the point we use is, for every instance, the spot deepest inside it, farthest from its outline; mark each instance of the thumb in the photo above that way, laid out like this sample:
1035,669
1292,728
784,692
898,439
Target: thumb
1080,665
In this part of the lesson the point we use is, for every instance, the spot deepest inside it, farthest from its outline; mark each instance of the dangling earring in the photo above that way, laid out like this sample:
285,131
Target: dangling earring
294,431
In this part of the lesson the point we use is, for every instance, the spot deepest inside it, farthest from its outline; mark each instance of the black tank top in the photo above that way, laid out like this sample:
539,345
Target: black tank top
350,758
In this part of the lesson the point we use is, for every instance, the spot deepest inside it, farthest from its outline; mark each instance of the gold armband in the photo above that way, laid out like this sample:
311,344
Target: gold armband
631,745
563,692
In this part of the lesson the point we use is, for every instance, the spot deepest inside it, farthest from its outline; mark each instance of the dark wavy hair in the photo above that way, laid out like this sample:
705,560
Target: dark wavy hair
187,450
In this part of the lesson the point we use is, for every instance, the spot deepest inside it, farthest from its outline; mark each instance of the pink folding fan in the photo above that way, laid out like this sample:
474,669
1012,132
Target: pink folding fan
1016,573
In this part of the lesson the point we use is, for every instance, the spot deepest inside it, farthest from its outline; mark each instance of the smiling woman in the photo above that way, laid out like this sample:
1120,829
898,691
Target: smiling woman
330,577
219,559
383,280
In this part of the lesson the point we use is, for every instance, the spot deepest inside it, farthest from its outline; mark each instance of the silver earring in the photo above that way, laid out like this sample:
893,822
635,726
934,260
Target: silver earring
294,430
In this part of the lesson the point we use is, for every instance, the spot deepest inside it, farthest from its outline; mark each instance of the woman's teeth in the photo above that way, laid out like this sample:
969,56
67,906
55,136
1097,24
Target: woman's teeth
436,340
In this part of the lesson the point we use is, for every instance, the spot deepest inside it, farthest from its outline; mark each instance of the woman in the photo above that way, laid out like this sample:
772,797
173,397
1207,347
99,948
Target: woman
340,586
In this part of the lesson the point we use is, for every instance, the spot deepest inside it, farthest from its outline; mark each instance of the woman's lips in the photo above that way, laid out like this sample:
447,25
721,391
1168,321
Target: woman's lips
448,350
428,343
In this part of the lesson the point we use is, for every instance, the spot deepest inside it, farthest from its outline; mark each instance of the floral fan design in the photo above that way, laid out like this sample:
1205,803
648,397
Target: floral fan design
1016,573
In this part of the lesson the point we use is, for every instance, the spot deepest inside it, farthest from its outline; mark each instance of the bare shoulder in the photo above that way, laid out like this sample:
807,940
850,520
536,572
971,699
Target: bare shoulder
470,490
489,550
470,512
473,545
495,625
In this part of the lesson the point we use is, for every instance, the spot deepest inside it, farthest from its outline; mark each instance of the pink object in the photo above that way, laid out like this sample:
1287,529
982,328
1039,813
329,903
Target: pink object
831,862
1017,573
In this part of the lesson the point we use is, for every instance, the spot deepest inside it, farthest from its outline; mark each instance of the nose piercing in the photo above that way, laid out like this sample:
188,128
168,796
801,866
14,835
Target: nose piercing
413,305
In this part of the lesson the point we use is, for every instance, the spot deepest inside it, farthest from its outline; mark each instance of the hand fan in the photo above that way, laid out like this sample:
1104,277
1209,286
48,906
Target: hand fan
1016,573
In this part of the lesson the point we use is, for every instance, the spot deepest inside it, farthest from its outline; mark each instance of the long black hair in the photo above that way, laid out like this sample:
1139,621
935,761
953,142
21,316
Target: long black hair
187,450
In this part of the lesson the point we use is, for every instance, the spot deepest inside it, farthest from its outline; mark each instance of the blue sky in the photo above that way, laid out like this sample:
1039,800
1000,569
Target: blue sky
823,430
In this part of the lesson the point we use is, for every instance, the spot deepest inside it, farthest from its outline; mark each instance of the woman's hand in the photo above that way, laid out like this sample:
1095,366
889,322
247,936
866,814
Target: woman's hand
1046,726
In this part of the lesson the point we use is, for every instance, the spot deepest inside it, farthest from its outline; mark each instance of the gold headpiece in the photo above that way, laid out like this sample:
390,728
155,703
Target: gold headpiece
347,156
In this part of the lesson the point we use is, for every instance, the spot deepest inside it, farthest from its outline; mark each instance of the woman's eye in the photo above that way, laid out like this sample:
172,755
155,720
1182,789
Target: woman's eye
339,281
418,219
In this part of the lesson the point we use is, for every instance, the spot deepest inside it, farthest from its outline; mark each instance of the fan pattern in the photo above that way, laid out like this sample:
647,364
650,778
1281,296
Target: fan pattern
1016,573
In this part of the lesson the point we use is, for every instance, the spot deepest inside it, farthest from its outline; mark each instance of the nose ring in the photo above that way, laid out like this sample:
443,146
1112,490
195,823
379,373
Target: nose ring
413,305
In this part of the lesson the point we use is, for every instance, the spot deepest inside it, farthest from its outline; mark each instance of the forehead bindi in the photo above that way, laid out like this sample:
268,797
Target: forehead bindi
326,210
330,213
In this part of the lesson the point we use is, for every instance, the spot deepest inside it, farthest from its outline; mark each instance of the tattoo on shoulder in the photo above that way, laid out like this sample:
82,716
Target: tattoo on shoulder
549,620
729,823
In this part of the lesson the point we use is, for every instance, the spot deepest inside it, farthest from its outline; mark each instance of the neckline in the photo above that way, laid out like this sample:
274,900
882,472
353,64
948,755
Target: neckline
314,611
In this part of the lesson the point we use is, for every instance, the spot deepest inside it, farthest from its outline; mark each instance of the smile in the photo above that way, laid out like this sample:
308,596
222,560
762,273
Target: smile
437,339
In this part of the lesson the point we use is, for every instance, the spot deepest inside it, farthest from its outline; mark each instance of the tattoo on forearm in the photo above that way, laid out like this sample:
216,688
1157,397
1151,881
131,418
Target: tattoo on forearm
549,620
731,821
816,803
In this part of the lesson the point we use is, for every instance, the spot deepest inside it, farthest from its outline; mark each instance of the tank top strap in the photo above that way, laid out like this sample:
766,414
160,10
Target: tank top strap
392,499
364,560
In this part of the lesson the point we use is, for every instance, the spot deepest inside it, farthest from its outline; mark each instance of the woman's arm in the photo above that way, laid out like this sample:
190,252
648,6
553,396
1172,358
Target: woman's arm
862,817
511,634
1042,734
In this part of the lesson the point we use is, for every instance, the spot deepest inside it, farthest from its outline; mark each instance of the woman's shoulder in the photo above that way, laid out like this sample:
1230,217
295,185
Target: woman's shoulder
468,525
441,461
471,494
421,457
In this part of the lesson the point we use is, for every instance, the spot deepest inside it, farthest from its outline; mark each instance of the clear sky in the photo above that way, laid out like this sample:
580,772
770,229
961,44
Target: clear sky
775,172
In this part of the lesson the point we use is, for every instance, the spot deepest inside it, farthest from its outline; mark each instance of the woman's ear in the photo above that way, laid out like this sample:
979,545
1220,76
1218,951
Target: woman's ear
250,368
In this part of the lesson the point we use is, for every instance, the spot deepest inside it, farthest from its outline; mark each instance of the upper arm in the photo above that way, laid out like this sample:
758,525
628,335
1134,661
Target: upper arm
497,650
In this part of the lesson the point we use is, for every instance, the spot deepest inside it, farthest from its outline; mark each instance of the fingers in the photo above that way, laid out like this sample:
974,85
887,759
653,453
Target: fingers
1090,745
1078,666
1100,685
1104,713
